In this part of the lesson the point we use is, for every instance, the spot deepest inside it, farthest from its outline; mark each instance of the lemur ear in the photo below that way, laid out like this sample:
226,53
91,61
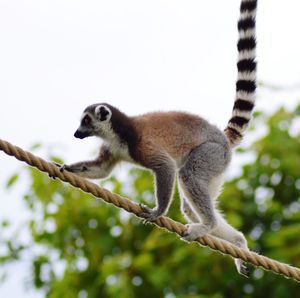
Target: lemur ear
103,113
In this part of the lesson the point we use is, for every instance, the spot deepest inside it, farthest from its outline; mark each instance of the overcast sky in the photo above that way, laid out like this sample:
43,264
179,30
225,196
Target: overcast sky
57,57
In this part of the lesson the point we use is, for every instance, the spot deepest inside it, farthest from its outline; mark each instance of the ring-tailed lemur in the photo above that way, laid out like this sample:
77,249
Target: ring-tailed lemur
178,143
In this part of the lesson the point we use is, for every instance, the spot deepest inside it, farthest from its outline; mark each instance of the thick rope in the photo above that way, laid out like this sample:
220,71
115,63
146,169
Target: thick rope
164,222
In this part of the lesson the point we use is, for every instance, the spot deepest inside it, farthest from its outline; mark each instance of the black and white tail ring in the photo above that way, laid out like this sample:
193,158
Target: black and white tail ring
246,79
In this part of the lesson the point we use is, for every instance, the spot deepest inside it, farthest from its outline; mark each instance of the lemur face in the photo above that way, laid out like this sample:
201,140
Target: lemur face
95,121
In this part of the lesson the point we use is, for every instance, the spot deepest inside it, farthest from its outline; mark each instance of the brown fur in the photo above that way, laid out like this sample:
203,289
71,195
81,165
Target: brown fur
233,136
170,134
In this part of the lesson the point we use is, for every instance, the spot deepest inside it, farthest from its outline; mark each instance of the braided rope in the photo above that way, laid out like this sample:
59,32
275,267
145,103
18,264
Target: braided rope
164,222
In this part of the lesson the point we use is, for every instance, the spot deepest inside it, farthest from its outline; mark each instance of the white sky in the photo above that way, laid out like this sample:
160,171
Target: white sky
57,57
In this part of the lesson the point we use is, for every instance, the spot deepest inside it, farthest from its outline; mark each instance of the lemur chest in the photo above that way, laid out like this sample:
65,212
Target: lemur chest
120,150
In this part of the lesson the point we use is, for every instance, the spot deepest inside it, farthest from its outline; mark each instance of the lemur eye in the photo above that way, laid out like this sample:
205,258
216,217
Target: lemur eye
86,120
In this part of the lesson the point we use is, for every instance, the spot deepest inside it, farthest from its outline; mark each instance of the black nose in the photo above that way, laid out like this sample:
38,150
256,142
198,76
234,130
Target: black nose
80,135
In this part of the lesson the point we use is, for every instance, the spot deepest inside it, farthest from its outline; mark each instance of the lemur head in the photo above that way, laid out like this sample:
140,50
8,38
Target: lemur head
95,121
107,122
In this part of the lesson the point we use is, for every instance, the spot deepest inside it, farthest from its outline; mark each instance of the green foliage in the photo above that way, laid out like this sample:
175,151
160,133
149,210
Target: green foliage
86,248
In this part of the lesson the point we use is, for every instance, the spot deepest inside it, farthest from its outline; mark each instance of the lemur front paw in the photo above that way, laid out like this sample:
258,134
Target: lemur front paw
150,214
195,231
73,168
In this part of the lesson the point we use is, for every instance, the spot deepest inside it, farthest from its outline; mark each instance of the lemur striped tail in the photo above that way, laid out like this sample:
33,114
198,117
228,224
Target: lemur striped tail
246,79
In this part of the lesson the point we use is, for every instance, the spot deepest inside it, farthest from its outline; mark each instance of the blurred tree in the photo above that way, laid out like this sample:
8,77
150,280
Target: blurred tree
82,247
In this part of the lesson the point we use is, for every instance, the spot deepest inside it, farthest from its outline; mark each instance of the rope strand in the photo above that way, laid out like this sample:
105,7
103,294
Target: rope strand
164,222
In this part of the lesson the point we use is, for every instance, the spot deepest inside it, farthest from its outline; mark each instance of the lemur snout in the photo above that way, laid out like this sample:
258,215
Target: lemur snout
80,135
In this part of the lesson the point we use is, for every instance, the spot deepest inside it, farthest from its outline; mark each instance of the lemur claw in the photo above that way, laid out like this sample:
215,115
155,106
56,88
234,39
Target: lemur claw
245,271
63,168
56,164
73,169
66,168
149,214
194,231
242,268
150,217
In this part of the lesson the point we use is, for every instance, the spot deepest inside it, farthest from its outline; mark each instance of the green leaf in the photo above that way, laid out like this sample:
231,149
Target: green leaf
35,146
12,180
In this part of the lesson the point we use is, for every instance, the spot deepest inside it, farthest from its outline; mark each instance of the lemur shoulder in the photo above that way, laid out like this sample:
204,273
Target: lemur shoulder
179,144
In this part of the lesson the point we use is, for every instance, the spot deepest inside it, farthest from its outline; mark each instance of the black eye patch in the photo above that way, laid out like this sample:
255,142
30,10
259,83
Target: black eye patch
103,112
86,120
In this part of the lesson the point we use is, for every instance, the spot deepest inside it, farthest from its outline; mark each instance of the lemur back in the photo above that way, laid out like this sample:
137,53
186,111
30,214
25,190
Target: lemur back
173,133
178,144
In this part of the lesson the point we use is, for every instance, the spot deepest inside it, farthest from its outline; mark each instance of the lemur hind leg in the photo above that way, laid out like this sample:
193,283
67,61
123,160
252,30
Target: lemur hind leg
225,231
204,164
188,212
189,181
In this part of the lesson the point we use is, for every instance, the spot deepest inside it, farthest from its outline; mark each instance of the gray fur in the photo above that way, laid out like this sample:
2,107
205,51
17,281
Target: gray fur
225,231
204,163
167,143
187,210
164,173
98,168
